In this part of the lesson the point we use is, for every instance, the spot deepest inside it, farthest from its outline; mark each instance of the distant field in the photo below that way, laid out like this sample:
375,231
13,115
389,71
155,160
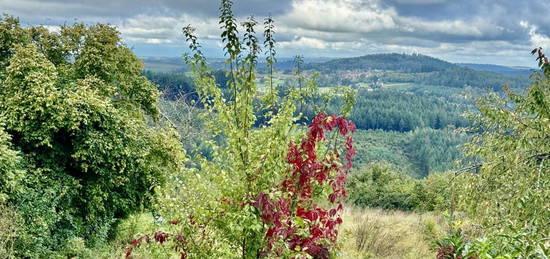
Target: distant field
161,67
400,86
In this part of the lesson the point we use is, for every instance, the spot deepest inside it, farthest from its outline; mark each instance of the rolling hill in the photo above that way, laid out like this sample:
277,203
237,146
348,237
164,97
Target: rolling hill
414,68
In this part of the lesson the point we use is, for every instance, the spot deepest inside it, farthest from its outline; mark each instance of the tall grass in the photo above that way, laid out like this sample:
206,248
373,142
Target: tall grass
375,233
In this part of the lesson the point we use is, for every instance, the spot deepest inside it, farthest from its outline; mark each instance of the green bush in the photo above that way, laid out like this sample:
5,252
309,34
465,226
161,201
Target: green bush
381,185
378,185
509,194
84,123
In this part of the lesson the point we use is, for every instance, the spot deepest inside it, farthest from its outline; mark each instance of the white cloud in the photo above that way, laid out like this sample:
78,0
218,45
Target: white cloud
536,39
339,16
442,28
305,43
420,2
163,29
473,28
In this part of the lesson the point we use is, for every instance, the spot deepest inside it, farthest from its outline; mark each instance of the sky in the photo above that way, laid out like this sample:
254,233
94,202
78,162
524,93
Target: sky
467,31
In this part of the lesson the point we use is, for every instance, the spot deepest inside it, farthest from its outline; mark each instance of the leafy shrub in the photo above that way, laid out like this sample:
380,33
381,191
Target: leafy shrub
505,245
381,185
11,166
82,118
509,196
378,185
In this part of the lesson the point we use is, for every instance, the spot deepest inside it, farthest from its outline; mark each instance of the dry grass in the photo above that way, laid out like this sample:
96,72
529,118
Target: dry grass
374,233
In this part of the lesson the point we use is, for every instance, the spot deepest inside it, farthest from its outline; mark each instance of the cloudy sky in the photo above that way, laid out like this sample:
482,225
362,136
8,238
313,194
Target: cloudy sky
476,31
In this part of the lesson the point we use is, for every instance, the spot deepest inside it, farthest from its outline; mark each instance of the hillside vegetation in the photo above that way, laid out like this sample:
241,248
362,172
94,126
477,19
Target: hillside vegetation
381,156
412,68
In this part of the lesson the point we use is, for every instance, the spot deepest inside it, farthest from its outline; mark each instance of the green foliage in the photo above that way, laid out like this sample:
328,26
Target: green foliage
11,167
10,228
418,153
413,68
381,185
404,111
459,77
77,109
505,245
209,207
432,193
377,185
173,85
510,194
435,150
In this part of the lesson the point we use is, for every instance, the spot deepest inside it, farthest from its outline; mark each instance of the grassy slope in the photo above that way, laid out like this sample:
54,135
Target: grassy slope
388,234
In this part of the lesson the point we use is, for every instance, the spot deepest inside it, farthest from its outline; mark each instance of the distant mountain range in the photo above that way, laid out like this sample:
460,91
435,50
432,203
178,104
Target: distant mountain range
393,67
505,70
396,62
426,70
168,64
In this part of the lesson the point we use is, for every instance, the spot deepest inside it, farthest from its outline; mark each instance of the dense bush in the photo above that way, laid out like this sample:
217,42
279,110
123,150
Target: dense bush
377,185
381,185
79,115
509,196
11,167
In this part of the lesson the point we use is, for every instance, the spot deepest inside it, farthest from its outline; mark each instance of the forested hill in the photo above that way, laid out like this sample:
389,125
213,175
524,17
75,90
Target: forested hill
414,63
414,68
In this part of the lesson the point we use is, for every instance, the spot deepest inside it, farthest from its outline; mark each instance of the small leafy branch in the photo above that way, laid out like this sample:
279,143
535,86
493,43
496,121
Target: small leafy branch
542,59
269,45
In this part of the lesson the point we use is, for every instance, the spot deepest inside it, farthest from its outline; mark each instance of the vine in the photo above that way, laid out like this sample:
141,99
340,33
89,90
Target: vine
296,221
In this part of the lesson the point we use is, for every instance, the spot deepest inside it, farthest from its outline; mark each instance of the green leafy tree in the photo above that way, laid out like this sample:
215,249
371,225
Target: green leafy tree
510,195
83,119
220,208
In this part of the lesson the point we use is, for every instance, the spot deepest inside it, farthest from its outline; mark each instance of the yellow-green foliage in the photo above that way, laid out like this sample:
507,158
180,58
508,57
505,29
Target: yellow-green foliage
510,195
83,118
134,226
9,228
10,176
10,166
